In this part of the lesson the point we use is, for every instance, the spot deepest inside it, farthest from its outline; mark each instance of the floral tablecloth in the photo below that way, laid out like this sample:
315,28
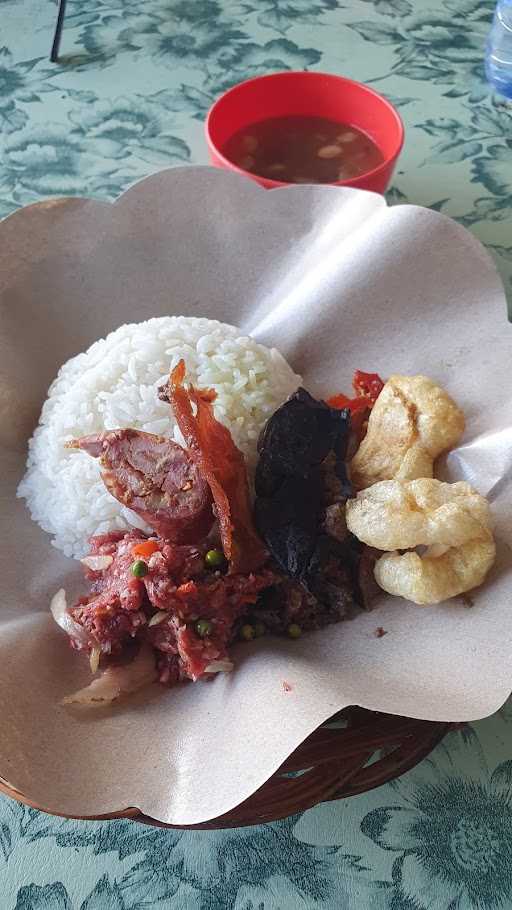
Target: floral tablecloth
127,98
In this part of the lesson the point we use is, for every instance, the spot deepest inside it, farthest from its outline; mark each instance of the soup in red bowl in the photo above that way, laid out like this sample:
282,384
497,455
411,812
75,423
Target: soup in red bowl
306,127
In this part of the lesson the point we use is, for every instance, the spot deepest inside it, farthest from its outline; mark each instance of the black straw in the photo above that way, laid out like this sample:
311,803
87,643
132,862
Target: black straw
54,56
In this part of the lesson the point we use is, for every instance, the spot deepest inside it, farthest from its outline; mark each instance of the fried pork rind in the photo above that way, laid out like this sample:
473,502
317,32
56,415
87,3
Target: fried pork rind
393,515
431,579
452,520
412,422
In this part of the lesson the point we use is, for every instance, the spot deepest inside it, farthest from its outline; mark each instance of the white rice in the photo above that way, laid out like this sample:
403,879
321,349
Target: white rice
114,384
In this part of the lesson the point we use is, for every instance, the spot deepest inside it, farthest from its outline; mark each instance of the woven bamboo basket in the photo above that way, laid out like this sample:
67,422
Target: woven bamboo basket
355,751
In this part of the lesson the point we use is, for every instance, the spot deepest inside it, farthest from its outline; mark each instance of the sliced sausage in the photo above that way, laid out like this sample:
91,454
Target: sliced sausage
156,478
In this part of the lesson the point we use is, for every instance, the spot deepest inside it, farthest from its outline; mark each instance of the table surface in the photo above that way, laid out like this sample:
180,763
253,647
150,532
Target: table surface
129,98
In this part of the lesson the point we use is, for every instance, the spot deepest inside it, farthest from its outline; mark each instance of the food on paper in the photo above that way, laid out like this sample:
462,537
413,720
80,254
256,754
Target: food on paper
397,515
301,490
187,561
412,423
452,521
119,680
188,600
439,574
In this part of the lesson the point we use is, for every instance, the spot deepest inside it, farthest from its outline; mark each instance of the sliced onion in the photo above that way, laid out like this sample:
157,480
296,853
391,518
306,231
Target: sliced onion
59,611
158,618
94,659
219,666
97,563
117,681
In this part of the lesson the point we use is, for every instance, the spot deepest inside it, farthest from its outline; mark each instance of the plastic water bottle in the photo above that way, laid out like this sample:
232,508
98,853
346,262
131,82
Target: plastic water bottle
498,53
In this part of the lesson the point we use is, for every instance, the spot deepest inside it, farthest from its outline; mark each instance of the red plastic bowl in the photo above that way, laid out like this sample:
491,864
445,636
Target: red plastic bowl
307,94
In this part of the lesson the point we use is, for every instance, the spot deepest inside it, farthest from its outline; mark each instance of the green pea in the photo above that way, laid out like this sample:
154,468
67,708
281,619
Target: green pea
203,627
139,568
294,631
247,632
214,559
259,629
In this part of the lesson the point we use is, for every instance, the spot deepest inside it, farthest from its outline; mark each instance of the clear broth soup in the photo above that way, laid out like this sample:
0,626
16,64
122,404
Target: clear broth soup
303,150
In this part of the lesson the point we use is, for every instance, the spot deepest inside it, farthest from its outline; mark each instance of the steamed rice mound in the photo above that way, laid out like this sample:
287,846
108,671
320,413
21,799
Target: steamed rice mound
114,384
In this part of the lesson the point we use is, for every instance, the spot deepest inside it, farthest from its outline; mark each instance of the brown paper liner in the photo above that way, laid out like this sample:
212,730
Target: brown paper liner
337,762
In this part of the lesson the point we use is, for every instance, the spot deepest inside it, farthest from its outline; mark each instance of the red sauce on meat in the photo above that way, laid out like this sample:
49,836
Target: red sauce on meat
222,465
177,583
168,591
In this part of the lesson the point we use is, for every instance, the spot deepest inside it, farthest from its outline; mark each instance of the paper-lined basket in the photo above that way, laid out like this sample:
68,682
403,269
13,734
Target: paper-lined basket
336,281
